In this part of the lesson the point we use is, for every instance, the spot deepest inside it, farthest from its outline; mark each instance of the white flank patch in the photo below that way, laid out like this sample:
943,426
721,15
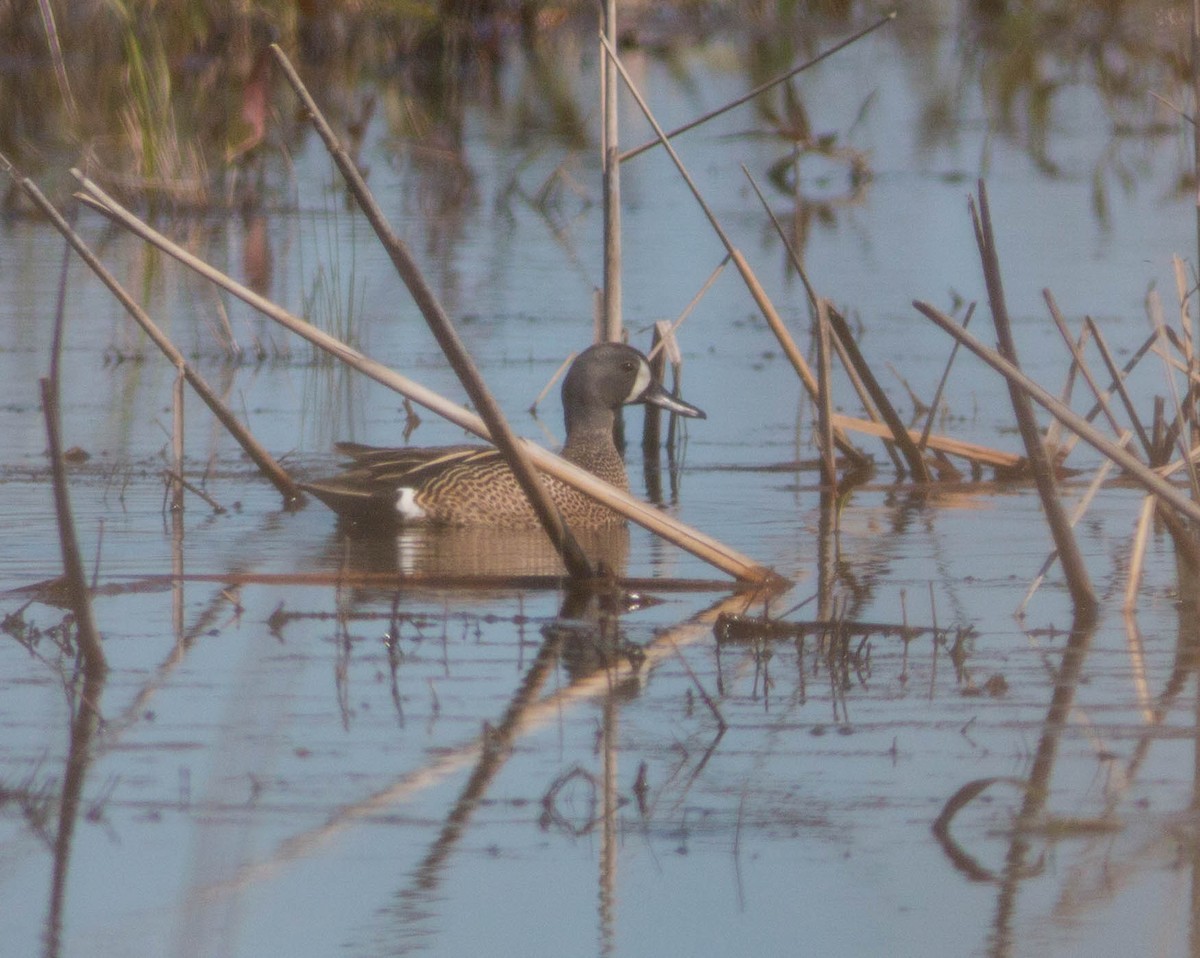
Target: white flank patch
639,384
406,504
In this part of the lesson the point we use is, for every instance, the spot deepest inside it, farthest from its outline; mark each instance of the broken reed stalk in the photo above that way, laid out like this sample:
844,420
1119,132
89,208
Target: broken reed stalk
645,515
652,418
865,395
446,335
1182,417
1070,558
1118,382
261,458
1054,427
693,302
1118,378
81,602
1079,362
912,455
762,87
825,442
610,163
1146,477
984,455
937,393
864,398
766,307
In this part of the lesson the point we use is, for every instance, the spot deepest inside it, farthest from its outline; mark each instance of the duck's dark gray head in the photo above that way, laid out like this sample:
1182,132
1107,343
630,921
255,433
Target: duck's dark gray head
606,377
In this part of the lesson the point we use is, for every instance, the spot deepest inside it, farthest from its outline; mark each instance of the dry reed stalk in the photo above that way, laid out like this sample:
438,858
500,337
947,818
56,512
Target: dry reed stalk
766,307
692,304
825,401
558,373
1148,479
984,455
1054,427
1182,417
645,515
178,478
912,455
1138,554
1118,382
652,419
610,162
937,393
856,380
1078,362
263,459
447,337
1070,558
864,398
762,87
1118,378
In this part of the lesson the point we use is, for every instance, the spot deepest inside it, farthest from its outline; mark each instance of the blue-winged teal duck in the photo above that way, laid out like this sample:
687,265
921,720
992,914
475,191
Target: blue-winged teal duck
472,485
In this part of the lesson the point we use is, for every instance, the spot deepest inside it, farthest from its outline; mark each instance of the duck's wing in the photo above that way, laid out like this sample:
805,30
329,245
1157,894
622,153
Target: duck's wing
411,466
366,491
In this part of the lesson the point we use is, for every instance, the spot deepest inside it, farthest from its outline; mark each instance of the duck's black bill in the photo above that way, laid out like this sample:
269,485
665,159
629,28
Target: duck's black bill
660,397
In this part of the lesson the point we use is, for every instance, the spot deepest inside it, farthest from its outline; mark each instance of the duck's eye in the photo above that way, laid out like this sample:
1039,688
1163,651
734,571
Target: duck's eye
629,365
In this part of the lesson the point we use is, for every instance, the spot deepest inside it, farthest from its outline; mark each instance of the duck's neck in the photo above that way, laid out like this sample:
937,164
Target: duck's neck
590,446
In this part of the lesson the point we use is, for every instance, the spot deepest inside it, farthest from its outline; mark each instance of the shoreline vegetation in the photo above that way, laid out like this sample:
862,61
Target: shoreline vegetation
175,105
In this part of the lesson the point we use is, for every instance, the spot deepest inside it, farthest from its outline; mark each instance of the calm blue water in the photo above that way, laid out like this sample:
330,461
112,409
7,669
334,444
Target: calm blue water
299,790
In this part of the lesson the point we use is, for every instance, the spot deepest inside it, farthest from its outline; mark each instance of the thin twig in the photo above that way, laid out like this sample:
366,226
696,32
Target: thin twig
763,87
1118,381
937,393
195,490
825,400
692,304
1078,361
